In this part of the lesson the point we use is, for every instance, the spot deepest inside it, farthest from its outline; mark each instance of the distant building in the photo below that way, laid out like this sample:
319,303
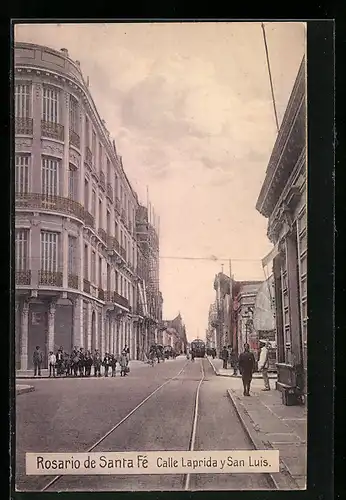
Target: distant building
174,334
244,297
283,202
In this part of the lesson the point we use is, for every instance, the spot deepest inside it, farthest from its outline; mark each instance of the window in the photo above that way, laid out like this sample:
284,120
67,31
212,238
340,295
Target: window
86,262
74,114
116,181
72,182
93,146
50,109
108,170
22,98
50,176
93,267
108,222
22,173
86,194
87,132
100,156
116,281
72,247
49,251
108,278
22,247
100,272
100,215
93,204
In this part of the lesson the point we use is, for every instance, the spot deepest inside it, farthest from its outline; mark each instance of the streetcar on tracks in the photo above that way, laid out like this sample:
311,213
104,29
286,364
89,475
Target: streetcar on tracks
197,348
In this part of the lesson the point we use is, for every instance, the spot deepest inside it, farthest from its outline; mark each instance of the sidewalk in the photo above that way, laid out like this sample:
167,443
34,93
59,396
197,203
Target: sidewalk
217,366
22,389
272,425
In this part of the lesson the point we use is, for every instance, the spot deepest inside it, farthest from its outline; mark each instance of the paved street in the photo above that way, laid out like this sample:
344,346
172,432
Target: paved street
72,415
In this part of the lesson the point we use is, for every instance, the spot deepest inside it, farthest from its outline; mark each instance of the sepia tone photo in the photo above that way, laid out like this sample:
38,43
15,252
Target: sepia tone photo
160,256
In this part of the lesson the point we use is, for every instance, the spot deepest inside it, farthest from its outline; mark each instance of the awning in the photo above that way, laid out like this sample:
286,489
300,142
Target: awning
270,256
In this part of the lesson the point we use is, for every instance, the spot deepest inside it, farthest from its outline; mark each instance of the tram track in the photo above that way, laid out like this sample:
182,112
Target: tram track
186,479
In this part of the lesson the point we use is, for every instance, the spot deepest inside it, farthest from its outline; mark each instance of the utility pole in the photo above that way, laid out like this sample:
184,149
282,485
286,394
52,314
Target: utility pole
230,333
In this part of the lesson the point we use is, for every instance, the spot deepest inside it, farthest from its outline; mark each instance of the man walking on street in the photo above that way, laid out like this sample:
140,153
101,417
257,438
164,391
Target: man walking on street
247,367
263,365
224,357
37,359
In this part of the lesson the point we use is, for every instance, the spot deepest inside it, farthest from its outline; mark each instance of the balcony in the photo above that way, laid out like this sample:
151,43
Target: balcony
86,285
54,203
52,130
122,252
119,299
74,139
89,220
102,181
50,278
113,244
109,297
102,234
23,277
88,157
117,205
73,281
101,294
110,192
23,126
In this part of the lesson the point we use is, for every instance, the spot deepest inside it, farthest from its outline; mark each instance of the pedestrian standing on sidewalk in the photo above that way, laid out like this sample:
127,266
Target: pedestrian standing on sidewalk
123,364
234,361
247,364
97,363
224,357
52,363
263,365
37,359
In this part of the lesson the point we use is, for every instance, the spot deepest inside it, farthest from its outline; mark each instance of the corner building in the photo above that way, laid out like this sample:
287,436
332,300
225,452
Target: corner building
76,249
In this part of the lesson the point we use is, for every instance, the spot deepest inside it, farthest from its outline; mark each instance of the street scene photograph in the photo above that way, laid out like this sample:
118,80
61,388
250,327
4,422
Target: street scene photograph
160,241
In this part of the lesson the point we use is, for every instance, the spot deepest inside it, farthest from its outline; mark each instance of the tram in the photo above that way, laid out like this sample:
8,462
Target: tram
197,348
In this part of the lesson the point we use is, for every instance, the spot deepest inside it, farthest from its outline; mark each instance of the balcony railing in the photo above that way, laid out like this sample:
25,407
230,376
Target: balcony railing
122,252
73,281
23,277
86,285
113,244
52,130
55,203
23,126
109,191
50,278
117,205
74,139
122,301
88,157
89,220
102,234
102,181
101,294
109,296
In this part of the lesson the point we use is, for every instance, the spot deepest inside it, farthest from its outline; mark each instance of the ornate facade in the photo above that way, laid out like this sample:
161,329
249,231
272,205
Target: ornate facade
75,237
283,202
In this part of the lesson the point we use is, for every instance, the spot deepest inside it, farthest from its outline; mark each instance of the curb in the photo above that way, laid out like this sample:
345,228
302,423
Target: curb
24,390
259,377
280,480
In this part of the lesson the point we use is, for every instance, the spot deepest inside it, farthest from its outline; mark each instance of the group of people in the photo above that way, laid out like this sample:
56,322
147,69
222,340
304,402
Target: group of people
229,356
247,366
80,362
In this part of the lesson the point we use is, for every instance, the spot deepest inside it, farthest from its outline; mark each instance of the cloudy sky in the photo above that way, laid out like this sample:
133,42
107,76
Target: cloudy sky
190,109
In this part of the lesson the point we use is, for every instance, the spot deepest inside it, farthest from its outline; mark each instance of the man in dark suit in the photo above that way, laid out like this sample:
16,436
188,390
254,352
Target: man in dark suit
246,365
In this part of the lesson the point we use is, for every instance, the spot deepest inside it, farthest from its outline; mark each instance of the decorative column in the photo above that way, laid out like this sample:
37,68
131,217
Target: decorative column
82,151
64,255
36,142
24,336
51,325
89,326
81,260
77,322
97,333
66,157
35,247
